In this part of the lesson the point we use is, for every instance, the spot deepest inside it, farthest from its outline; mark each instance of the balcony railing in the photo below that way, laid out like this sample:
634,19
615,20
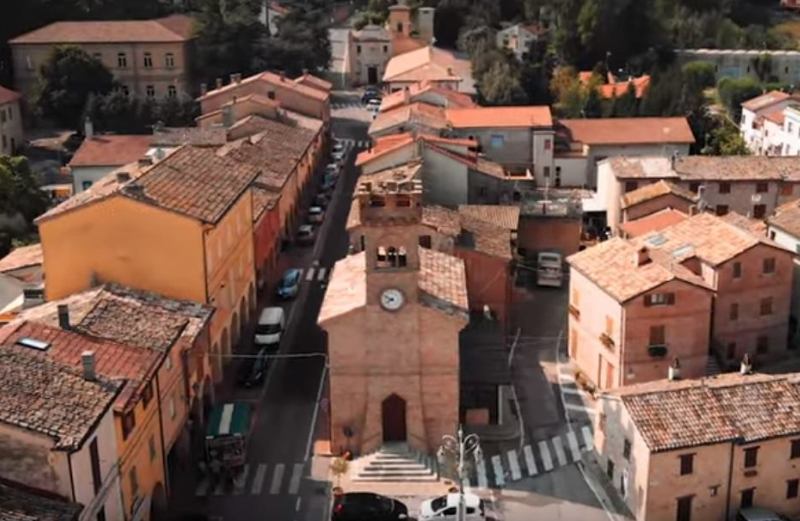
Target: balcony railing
607,341
575,312
657,350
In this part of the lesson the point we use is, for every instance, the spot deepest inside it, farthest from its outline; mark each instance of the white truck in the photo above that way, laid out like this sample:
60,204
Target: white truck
549,270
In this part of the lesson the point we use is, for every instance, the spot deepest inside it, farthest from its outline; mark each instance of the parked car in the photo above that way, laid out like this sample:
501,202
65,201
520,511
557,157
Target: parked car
254,369
316,214
366,506
289,284
269,328
321,200
338,144
329,183
338,155
370,93
305,234
758,514
445,508
332,168
374,105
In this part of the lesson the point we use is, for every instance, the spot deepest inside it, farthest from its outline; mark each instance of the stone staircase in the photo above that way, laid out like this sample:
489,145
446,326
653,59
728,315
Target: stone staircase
396,463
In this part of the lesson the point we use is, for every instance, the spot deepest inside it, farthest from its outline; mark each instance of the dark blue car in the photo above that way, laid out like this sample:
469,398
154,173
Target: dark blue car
289,284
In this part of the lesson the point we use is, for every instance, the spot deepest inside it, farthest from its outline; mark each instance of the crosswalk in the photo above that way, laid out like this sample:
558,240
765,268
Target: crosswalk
355,143
532,460
348,105
256,479
315,273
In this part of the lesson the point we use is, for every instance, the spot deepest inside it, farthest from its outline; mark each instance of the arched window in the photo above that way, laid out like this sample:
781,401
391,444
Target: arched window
402,259
392,256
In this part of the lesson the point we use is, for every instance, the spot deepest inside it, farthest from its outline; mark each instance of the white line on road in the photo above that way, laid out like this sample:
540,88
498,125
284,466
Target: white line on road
321,275
297,475
240,480
310,274
580,408
559,448
529,461
277,477
497,465
316,412
202,487
482,481
513,462
567,378
547,459
297,504
587,437
571,390
572,441
258,481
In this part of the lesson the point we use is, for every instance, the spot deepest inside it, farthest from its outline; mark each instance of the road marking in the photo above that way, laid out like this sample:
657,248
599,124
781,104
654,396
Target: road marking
277,477
482,481
297,504
258,481
547,459
580,408
241,479
497,465
202,487
321,275
572,441
560,455
529,461
513,462
587,437
310,274
571,390
297,475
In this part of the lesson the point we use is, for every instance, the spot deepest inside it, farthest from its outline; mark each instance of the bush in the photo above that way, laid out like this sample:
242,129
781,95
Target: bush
732,92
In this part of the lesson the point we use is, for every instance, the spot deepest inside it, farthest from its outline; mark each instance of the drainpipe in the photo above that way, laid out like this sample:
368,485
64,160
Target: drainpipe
730,480
71,477
161,435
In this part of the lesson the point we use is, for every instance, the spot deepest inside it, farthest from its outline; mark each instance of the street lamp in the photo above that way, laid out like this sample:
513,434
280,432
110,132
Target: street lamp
460,447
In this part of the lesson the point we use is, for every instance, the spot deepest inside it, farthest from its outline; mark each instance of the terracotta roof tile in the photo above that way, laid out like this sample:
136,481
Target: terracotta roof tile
426,63
756,226
111,150
51,398
485,237
786,217
177,136
501,117
415,92
174,28
347,288
8,95
443,282
653,222
502,216
613,131
314,82
620,88
765,100
654,190
263,200
712,168
17,504
441,219
384,145
270,78
22,257
402,44
410,116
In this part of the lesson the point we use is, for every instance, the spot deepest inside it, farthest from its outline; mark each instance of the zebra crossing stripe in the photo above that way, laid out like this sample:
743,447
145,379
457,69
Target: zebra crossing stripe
482,481
241,479
513,462
497,466
547,459
572,441
202,487
587,437
529,461
258,481
297,475
321,274
277,477
560,456
310,274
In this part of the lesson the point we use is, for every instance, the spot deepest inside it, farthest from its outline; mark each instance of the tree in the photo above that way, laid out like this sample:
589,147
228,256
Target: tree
699,74
21,201
726,140
500,85
66,79
732,92
626,105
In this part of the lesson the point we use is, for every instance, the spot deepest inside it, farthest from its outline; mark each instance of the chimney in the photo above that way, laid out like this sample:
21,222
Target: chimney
145,161
88,363
746,366
88,128
450,71
63,316
283,76
236,78
642,257
218,83
123,177
674,371
227,116
134,190
203,89
674,159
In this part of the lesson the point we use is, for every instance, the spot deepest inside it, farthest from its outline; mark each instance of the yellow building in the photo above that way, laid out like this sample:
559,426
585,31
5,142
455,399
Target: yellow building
146,341
181,228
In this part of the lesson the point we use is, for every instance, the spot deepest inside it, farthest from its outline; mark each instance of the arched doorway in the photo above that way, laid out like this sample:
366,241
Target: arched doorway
393,414
226,349
243,312
252,299
158,503
235,329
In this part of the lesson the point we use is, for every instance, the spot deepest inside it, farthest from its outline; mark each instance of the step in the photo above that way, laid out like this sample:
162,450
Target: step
396,479
395,468
380,456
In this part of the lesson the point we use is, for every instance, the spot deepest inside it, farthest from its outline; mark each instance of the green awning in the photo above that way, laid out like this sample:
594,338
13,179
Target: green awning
229,419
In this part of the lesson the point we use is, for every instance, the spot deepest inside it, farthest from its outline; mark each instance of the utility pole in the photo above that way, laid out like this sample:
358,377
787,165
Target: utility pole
460,446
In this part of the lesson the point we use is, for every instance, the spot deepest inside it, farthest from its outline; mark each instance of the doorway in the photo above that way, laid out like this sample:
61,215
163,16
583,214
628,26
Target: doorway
372,75
393,413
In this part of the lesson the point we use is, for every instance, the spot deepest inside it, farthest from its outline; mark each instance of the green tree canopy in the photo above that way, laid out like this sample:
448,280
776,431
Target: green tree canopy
732,92
66,79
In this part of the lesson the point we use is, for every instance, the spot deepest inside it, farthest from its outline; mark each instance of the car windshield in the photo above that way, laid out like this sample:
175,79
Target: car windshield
315,209
439,503
268,329
289,279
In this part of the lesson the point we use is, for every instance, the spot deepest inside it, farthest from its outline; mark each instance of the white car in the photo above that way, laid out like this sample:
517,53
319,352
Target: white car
374,105
316,214
445,508
338,144
332,169
338,155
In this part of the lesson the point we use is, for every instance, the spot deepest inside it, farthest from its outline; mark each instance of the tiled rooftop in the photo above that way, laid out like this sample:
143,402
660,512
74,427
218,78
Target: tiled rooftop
786,217
613,131
654,190
410,115
503,216
653,222
263,200
712,168
765,100
443,220
347,288
500,117
22,257
8,95
425,64
731,407
110,150
17,504
44,396
409,95
174,28
384,145
270,78
177,136
485,237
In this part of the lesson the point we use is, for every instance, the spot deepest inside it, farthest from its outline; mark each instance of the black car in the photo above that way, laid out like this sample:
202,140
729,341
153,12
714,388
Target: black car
254,370
366,506
370,93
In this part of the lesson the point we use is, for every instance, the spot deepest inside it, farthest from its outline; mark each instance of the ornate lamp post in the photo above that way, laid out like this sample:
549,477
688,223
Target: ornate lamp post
460,447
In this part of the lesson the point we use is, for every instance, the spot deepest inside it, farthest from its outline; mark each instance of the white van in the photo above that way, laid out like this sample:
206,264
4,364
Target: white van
445,508
549,269
269,328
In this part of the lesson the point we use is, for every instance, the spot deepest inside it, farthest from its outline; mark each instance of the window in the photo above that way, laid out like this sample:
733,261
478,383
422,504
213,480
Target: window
147,395
772,235
271,94
626,450
766,306
548,144
134,479
657,335
759,211
609,326
762,188
693,187
659,299
737,270
750,457
724,188
496,141
172,91
29,63
400,27
150,91
148,60
425,241
101,514
169,60
791,488
722,209
128,423
126,90
151,444
86,184
684,508
762,345
122,60
546,171
787,189
630,186
733,313
385,49
94,457
794,452
687,464
746,500
610,470
768,265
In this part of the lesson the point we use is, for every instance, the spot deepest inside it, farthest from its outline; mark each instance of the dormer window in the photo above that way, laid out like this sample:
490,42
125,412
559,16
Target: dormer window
377,202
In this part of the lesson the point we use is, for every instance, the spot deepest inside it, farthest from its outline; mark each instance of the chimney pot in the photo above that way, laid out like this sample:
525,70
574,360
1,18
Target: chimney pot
123,177
218,83
642,257
88,128
63,316
746,366
88,363
203,89
145,161
674,371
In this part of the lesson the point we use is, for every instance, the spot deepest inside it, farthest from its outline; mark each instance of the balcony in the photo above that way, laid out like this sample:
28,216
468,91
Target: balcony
575,312
607,341
657,350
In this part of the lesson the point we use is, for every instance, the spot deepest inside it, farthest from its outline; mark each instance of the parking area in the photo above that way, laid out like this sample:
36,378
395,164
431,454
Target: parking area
349,105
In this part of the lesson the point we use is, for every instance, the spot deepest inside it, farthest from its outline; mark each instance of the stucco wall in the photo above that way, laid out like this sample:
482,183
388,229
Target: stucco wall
92,174
444,180
12,136
548,233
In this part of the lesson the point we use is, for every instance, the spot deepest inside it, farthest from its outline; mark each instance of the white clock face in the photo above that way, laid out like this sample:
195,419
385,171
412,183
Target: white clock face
392,299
